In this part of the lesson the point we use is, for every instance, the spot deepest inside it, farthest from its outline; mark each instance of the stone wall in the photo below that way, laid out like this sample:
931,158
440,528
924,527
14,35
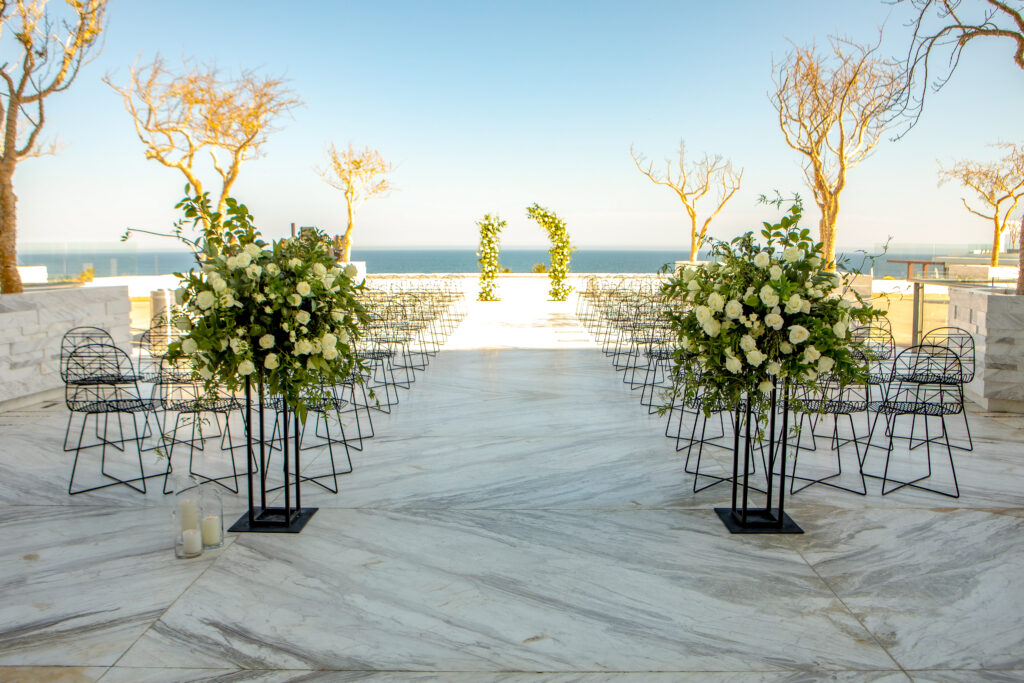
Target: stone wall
997,323
32,325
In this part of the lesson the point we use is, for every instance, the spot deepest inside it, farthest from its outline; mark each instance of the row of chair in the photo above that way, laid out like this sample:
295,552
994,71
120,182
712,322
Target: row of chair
907,389
408,324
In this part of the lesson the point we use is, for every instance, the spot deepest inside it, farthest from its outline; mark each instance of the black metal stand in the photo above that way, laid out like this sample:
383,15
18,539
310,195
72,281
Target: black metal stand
740,518
289,519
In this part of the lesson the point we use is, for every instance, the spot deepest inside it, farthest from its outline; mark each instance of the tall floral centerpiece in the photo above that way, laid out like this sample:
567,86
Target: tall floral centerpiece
763,316
280,318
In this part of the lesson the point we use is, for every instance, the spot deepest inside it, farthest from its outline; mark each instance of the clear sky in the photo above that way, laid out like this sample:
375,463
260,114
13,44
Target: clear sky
491,106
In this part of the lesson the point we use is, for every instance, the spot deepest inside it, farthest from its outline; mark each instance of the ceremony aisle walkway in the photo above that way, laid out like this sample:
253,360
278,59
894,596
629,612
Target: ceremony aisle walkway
517,517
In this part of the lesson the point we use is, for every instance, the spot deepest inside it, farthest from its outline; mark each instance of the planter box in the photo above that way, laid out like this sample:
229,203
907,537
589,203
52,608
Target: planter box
997,323
32,325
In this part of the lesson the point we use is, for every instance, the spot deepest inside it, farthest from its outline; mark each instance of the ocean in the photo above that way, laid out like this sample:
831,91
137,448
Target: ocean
68,262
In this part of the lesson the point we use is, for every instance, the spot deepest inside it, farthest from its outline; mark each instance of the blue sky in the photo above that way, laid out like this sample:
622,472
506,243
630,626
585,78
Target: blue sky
491,106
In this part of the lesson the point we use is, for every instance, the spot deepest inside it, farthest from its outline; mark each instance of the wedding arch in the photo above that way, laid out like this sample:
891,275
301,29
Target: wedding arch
561,249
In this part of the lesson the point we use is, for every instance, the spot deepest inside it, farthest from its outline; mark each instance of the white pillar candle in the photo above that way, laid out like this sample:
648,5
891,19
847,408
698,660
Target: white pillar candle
192,542
211,530
188,511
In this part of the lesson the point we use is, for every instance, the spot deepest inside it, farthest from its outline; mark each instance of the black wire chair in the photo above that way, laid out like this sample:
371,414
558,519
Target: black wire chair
960,342
72,339
830,398
918,389
99,382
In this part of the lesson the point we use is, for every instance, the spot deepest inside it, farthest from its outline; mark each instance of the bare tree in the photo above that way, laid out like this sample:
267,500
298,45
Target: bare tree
833,108
944,28
359,174
51,50
182,117
999,185
712,177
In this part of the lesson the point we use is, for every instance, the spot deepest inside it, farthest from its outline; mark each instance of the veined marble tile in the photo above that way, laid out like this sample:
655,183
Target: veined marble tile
51,674
81,584
938,588
501,590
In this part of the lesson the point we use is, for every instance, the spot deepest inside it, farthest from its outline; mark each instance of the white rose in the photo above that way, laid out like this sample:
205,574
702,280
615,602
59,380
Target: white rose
294,263
845,303
302,317
243,260
189,346
183,323
688,274
839,329
774,368
266,341
768,295
791,254
774,321
766,386
303,346
179,295
798,334
814,261
810,375
205,372
693,285
329,341
271,362
715,302
252,250
343,336
712,327
825,364
733,364
762,259
786,347
246,367
218,283
231,262
734,308
205,299
794,303
811,354
223,344
805,306
253,271
351,271
303,288
337,316
775,272
747,342
703,314
319,269
755,357
237,345
330,353
294,299
272,269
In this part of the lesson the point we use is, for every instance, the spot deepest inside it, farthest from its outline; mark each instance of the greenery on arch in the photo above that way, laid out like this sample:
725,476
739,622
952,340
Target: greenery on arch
490,243
561,249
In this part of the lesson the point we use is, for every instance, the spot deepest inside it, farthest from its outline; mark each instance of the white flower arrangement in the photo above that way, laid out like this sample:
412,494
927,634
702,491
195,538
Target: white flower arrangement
282,313
761,316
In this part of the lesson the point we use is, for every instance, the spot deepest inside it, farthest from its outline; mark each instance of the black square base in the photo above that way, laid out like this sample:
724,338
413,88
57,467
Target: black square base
272,521
759,521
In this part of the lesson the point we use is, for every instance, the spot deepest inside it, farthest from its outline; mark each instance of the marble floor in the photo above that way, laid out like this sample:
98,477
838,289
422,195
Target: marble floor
519,516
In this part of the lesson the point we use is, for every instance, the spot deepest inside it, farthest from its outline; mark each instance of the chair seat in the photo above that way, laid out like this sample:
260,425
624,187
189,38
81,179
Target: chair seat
914,408
833,407
117,405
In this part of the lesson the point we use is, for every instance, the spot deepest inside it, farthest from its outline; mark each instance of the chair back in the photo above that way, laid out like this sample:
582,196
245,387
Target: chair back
80,336
960,342
100,378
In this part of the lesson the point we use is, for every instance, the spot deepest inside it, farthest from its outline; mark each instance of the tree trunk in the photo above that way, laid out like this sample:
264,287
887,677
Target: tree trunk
994,261
827,235
346,241
10,280
1020,260
693,247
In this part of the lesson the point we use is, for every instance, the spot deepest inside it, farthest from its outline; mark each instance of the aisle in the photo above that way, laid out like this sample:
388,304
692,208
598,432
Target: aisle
511,516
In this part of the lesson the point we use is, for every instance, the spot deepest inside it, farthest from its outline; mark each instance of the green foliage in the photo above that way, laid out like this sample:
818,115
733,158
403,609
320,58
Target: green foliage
561,250
761,316
539,268
283,314
87,275
490,243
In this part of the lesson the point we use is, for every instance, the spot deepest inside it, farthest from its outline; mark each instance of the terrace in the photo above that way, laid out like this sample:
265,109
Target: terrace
519,516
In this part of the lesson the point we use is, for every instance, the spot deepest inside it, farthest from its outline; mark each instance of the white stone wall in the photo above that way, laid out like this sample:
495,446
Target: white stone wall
32,325
997,323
